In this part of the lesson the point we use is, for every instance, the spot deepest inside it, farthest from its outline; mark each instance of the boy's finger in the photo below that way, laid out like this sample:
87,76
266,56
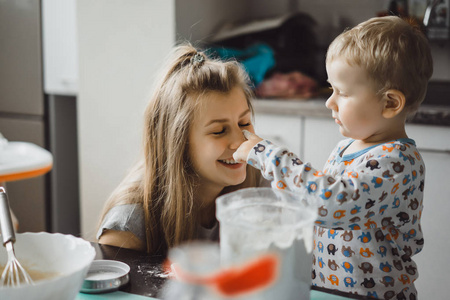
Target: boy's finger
237,157
248,135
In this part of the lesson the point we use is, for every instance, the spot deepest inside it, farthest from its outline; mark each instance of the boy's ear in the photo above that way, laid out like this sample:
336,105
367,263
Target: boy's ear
394,103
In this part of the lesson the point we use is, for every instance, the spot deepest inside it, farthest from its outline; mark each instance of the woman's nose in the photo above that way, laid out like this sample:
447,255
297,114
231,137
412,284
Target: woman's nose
236,138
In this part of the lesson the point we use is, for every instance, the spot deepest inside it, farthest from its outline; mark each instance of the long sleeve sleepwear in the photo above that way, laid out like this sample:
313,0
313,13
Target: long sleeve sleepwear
370,203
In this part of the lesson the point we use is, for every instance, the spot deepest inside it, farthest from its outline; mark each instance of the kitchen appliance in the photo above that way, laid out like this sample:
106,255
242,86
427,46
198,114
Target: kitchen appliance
437,20
30,114
13,274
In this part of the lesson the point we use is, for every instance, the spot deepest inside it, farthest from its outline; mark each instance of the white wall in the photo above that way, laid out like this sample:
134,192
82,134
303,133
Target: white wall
120,44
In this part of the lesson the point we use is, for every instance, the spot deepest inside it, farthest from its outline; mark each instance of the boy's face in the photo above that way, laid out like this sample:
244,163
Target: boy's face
356,107
215,134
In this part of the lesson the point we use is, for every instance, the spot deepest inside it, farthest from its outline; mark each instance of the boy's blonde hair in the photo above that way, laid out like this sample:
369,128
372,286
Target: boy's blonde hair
163,182
394,52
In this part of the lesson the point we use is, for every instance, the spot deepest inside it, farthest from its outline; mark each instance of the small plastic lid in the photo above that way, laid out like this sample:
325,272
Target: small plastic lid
105,276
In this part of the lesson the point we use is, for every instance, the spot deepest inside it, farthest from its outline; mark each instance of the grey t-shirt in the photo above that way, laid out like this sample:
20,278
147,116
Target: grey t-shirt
130,217
125,217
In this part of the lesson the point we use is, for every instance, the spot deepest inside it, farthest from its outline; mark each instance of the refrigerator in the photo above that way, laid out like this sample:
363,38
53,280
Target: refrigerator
27,113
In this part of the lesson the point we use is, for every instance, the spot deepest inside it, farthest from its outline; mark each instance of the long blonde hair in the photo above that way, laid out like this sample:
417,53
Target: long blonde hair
164,181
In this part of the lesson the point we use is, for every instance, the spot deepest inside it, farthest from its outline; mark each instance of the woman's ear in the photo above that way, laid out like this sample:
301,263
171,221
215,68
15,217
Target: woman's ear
394,103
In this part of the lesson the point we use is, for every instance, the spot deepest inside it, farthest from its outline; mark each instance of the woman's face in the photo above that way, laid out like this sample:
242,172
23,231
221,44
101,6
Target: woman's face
215,134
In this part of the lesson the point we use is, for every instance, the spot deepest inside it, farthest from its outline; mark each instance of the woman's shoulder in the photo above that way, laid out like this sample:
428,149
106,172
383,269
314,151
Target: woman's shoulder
125,217
130,209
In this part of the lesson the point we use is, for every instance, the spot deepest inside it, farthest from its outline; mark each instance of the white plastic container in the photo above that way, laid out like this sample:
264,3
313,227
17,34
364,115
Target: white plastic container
255,221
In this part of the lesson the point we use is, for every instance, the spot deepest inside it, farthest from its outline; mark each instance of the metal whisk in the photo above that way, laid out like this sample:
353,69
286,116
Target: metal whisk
13,274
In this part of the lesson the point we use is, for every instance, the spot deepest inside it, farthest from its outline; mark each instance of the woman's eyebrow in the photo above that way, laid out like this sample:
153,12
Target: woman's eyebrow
225,120
244,113
216,121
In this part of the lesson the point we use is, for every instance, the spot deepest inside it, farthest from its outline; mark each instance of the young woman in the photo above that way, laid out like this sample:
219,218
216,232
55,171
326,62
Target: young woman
193,125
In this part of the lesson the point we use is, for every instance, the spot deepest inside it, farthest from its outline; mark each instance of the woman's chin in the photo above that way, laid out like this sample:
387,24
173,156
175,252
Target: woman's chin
235,180
239,180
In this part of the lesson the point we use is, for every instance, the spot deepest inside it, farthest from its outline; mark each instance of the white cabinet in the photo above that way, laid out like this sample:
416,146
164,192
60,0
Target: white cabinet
321,136
312,139
59,42
433,262
281,130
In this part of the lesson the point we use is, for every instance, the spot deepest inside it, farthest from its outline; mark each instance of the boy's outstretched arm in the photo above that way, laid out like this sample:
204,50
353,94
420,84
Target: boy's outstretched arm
244,149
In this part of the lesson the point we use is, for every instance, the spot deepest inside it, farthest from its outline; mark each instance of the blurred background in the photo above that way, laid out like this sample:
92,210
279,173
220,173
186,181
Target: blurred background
75,76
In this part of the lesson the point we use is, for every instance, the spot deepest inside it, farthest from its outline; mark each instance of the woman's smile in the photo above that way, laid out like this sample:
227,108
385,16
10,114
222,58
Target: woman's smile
230,163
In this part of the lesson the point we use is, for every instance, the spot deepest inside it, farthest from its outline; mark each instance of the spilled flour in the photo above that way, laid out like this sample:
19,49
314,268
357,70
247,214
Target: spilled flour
154,271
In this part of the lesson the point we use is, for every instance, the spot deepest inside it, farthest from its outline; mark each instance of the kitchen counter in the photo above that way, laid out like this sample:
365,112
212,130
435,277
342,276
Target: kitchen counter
427,114
147,277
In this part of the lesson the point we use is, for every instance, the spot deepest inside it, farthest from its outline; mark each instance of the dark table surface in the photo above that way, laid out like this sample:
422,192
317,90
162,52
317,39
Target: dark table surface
147,275
146,271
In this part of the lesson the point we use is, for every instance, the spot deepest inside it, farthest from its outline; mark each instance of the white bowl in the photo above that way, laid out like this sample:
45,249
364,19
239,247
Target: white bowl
66,255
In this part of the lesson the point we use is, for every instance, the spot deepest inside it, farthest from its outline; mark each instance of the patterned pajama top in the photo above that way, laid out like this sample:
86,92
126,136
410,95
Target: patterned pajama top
370,204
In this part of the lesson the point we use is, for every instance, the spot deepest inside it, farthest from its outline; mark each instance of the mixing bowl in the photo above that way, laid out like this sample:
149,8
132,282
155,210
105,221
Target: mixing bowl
64,257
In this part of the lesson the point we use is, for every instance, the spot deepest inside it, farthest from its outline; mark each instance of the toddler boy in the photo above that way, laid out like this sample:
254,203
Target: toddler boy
370,191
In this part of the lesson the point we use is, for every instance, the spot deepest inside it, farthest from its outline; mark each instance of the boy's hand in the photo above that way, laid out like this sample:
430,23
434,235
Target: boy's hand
244,149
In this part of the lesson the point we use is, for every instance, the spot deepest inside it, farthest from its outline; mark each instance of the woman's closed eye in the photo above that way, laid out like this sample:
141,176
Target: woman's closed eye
219,132
245,125
224,129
